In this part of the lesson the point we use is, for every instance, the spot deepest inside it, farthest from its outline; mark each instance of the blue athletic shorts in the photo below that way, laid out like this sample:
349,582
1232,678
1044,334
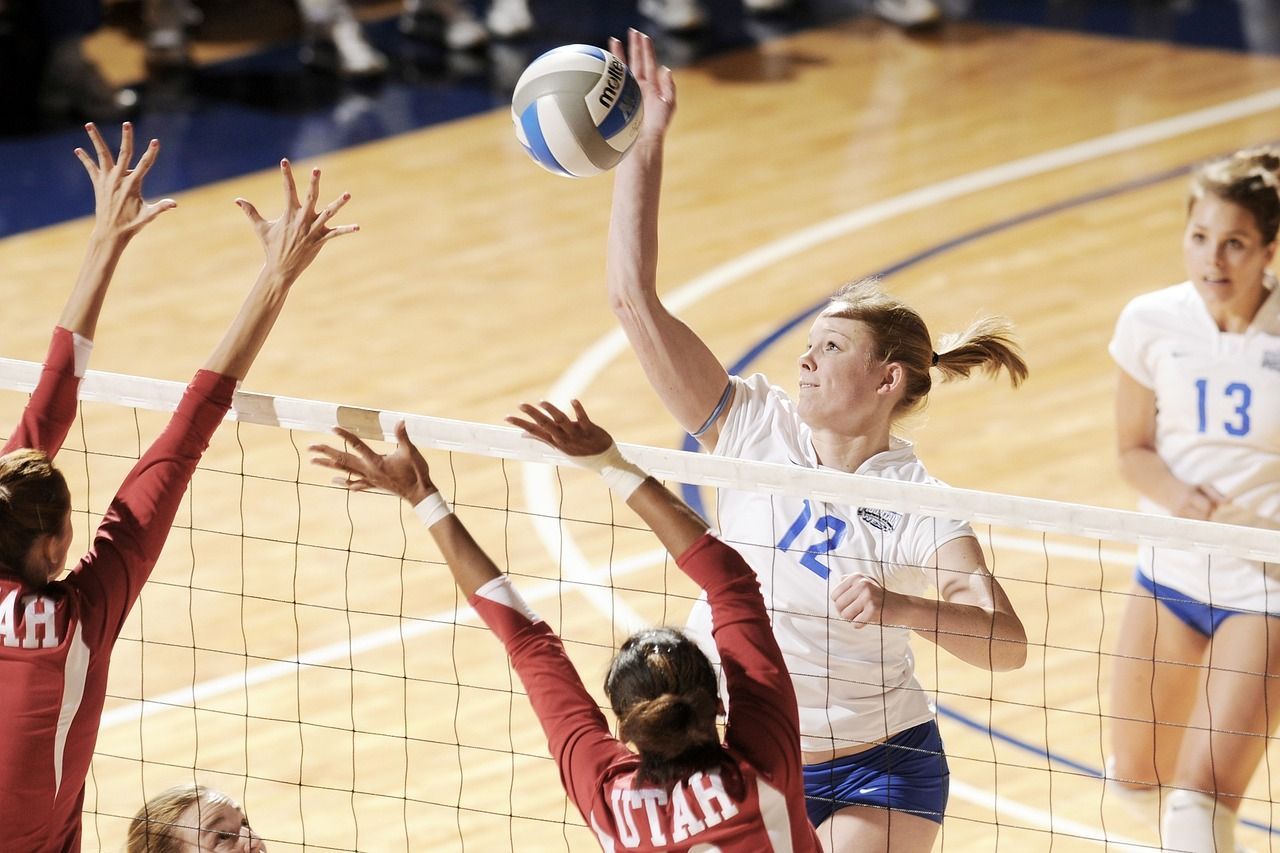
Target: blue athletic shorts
906,773
1201,617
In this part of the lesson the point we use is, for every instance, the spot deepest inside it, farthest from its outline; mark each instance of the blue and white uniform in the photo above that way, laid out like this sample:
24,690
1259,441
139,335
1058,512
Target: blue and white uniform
853,686
1217,424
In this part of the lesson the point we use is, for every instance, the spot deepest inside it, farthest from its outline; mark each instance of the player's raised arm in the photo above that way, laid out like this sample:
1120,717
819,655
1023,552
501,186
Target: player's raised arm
132,534
81,616
291,242
660,684
404,472
681,368
119,214
590,446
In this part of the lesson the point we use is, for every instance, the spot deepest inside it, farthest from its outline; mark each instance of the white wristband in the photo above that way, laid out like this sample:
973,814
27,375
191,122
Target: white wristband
432,508
620,475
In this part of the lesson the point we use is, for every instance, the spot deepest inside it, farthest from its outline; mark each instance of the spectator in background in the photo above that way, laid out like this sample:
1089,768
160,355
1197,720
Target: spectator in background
688,15
333,38
43,66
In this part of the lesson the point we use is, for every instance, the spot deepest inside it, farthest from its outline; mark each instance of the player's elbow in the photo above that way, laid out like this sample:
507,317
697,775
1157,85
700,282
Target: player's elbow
1009,648
627,305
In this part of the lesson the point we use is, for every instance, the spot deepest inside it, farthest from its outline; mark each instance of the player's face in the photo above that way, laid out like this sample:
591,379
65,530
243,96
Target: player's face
840,379
217,826
1225,253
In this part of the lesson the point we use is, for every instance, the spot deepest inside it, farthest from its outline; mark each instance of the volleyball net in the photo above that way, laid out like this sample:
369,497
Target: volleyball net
304,649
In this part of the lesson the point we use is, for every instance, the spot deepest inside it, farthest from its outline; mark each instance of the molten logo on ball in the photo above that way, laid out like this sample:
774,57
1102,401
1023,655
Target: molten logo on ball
577,110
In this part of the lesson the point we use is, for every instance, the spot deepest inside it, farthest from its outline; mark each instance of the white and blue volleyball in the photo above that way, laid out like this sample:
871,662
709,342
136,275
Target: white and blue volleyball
577,109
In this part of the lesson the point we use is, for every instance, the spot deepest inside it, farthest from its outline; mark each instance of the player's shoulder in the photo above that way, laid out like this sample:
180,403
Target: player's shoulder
899,462
757,387
1268,317
1174,300
763,423
1176,310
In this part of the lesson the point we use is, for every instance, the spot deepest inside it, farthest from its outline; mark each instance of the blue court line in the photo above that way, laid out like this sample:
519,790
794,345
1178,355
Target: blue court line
693,496
1025,745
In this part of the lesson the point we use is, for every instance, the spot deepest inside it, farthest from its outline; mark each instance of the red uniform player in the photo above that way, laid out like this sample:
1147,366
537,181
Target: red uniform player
56,634
682,788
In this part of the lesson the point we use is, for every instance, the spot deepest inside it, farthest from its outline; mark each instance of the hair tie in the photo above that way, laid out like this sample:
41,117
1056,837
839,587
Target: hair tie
934,363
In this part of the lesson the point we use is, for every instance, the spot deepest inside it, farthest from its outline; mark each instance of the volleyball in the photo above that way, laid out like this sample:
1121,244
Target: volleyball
577,109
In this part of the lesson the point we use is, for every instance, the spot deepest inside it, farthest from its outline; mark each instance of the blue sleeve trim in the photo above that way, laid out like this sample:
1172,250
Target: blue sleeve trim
717,411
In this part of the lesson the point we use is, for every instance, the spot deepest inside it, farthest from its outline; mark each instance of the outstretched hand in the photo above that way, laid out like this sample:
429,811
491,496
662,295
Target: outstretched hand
577,436
293,239
119,209
401,472
657,86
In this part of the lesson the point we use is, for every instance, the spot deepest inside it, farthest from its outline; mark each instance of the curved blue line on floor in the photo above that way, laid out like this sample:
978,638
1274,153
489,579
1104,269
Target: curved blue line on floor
693,496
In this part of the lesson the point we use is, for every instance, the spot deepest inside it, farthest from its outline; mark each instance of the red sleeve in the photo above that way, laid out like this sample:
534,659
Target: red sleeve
764,724
577,733
133,531
52,408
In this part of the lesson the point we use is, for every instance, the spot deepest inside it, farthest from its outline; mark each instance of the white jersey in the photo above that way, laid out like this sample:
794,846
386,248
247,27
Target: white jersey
853,685
1217,424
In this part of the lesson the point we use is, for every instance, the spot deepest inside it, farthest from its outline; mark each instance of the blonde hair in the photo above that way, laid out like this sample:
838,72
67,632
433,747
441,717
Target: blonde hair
34,502
152,828
1249,178
900,335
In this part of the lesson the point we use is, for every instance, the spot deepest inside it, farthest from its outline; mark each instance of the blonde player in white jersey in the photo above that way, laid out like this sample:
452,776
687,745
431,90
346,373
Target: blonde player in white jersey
1198,429
845,585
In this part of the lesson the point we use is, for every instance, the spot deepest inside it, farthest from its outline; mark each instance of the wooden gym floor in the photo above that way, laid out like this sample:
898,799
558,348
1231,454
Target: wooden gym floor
1031,173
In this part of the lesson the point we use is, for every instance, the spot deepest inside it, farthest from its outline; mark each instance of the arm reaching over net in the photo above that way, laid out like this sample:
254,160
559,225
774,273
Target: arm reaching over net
764,723
57,645
661,686
137,523
577,734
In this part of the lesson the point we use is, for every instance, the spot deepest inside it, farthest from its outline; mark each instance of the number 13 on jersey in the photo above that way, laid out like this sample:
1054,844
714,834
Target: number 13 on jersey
1239,395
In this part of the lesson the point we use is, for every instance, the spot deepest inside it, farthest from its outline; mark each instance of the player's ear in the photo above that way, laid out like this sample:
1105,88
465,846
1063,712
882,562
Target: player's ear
40,558
893,378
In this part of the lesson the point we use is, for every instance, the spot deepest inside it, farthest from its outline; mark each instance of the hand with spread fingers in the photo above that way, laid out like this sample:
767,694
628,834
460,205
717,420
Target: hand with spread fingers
120,211
577,436
294,238
401,472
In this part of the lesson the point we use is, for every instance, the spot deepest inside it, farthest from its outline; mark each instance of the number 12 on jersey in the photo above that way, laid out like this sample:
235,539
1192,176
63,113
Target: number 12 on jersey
833,527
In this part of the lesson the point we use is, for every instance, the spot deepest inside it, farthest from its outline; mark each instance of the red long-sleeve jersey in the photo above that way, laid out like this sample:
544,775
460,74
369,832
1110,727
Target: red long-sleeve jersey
752,802
56,639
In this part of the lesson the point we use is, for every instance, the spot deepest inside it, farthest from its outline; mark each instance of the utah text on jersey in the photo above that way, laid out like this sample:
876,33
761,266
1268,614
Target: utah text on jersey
38,614
637,807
